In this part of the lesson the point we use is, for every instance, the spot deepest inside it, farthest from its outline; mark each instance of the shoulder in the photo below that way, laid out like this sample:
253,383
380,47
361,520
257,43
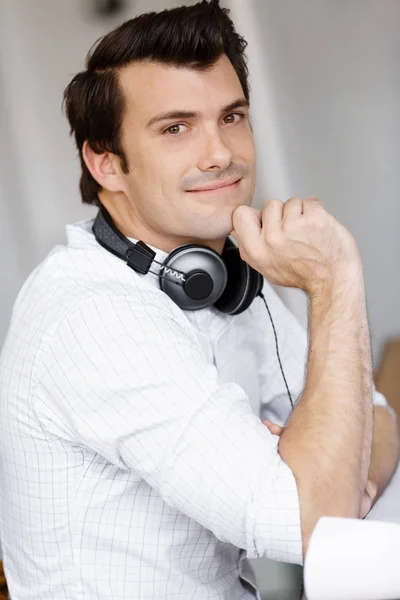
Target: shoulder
91,291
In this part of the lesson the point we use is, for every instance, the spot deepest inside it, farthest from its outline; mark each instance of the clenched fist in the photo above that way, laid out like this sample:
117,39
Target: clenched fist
295,244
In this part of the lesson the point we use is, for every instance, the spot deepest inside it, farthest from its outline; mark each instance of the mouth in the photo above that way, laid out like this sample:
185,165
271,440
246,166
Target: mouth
218,188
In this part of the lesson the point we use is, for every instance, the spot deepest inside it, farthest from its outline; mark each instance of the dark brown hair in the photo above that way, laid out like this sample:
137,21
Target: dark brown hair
192,36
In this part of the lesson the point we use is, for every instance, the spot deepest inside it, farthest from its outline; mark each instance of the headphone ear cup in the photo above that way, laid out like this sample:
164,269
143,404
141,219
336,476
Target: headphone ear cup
196,262
243,285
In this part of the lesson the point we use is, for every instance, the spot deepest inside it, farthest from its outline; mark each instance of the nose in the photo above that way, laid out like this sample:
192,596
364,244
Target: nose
216,154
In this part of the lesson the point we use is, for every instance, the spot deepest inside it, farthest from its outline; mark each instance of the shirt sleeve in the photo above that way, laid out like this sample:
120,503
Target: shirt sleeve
293,349
130,382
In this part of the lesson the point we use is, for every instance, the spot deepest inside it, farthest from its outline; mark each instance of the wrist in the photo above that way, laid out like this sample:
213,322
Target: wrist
343,284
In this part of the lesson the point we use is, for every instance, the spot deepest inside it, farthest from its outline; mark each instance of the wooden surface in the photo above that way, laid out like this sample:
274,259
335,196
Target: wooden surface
3,585
387,376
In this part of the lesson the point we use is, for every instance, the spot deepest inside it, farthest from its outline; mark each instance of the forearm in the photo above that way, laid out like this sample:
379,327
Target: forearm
385,449
327,442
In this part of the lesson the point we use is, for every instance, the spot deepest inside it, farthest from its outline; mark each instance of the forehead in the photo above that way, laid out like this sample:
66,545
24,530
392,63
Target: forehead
150,88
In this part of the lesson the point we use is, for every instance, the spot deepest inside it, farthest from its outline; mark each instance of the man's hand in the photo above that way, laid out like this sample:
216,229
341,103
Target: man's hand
296,244
370,489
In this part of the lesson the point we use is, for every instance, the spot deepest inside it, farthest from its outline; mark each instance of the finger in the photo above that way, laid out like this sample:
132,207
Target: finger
246,224
293,208
273,427
257,212
311,204
272,215
276,429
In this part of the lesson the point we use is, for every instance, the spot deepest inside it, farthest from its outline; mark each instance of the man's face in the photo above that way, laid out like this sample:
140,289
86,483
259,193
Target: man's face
169,158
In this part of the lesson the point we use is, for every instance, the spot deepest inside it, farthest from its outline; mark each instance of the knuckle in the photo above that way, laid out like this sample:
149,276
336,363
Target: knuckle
275,239
313,203
273,203
290,204
317,218
314,220
291,226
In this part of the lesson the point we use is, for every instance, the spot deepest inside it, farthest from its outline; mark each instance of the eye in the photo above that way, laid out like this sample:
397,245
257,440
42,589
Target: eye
231,117
173,129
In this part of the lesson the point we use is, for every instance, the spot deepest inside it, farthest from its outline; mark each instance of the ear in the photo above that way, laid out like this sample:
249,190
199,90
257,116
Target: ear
104,168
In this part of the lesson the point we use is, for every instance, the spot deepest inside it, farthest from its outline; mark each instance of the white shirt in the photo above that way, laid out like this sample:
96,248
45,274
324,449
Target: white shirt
134,464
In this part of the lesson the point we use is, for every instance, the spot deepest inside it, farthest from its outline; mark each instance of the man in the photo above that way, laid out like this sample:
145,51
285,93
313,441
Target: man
134,463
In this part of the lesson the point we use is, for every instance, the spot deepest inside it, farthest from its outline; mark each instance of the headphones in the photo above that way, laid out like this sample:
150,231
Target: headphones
193,276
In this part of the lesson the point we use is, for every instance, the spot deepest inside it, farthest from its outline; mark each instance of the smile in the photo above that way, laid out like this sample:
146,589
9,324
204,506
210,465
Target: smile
218,190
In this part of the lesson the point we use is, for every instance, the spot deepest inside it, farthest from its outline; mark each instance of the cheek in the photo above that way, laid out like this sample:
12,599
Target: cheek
248,148
242,144
156,182
146,169
174,161
166,162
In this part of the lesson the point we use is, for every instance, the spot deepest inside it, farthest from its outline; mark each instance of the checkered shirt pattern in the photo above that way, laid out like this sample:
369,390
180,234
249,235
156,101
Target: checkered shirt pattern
133,461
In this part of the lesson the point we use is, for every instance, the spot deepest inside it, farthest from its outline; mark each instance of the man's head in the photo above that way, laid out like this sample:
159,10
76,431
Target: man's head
162,110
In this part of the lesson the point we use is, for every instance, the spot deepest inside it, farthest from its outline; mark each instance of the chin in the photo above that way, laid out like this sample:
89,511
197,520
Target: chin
213,221
216,229
221,221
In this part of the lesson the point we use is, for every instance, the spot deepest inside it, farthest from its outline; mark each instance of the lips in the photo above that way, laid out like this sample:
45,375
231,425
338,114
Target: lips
216,186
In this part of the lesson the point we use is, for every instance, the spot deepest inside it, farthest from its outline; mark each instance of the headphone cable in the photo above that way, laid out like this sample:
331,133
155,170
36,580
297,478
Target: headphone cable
290,398
277,349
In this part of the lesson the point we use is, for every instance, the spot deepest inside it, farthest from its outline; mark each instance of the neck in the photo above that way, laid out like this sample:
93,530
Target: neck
132,228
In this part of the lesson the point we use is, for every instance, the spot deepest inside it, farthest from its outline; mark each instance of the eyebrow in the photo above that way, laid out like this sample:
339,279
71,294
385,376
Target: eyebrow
180,114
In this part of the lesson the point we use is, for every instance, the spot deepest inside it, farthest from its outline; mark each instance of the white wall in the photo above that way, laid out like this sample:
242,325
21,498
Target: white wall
43,43
332,86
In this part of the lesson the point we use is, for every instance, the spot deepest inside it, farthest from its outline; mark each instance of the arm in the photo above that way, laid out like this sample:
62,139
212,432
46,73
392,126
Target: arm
385,454
275,404
327,442
126,379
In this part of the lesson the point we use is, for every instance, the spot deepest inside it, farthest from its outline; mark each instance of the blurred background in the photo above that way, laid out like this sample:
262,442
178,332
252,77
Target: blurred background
325,88
325,83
